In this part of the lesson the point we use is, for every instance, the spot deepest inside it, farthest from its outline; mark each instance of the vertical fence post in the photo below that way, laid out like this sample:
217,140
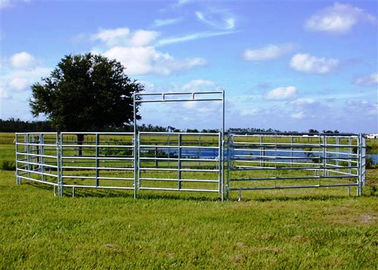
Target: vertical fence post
18,179
228,166
135,148
59,142
359,187
222,142
42,153
139,160
26,139
97,159
363,174
179,143
324,156
350,151
291,149
338,152
135,166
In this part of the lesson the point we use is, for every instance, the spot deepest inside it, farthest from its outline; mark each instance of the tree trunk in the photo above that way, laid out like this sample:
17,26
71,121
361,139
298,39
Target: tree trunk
80,140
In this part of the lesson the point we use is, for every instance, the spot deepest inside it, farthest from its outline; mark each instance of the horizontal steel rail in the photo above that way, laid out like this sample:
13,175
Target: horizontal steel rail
182,179
294,187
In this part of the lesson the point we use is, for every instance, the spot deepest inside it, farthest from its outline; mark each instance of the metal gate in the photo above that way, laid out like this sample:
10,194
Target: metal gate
179,161
174,161
285,161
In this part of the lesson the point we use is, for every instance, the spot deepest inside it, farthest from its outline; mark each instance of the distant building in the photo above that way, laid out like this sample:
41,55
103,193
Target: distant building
372,136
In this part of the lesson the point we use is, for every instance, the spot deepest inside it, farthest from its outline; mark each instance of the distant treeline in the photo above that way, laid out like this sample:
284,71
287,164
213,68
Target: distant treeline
17,125
270,130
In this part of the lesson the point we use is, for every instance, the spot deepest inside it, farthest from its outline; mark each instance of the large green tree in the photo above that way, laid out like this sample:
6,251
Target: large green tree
85,93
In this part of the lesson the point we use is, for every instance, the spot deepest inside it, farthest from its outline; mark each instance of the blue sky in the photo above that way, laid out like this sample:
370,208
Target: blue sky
288,65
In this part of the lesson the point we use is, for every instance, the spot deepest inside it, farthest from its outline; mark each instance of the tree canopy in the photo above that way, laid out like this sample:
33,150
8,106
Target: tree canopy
86,92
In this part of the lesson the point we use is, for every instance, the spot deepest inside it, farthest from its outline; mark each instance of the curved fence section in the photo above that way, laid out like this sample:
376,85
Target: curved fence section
281,161
196,162
37,157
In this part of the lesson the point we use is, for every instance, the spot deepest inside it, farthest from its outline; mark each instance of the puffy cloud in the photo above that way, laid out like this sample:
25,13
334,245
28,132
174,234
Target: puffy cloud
282,93
136,51
123,36
22,60
267,53
143,38
311,64
339,18
367,80
18,83
143,60
22,79
216,18
112,37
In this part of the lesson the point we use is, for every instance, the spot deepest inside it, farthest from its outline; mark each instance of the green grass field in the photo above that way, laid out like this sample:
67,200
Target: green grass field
284,229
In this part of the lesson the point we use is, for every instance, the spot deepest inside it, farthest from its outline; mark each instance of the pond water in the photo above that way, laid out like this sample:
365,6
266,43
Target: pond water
374,158
213,153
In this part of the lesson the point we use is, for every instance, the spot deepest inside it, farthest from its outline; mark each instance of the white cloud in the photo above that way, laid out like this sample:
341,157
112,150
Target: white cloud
217,19
298,115
164,22
367,80
267,53
249,112
22,79
339,18
189,37
282,93
311,64
200,85
136,51
353,106
112,37
143,60
18,83
3,93
308,108
303,101
22,60
123,36
143,37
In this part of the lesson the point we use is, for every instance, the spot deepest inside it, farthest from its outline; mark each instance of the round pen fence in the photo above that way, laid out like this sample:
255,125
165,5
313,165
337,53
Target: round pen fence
194,162
168,161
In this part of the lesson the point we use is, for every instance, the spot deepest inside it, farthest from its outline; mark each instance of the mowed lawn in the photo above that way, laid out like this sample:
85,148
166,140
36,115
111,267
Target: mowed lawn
288,229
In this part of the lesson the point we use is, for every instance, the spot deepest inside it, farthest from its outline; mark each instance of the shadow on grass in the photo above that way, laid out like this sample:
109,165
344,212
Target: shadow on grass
112,193
187,196
300,198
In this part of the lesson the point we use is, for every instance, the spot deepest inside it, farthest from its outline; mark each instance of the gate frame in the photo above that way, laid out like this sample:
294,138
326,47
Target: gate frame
138,99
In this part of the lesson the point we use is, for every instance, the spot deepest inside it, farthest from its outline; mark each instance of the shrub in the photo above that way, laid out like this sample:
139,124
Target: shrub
8,165
369,163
